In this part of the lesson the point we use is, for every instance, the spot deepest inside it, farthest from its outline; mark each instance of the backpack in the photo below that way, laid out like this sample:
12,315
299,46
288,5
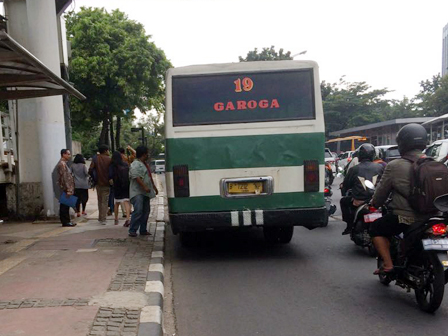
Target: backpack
429,180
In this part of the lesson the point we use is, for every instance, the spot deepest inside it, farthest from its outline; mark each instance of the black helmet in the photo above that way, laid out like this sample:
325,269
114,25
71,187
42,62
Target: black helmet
411,136
366,152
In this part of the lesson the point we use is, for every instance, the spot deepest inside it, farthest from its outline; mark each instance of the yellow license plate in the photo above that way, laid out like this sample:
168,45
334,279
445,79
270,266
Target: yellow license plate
245,187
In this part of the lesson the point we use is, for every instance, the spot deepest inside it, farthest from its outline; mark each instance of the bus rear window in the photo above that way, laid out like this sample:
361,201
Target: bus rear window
243,97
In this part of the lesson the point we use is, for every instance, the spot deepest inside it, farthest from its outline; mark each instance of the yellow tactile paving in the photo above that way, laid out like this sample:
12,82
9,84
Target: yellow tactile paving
54,232
7,264
19,246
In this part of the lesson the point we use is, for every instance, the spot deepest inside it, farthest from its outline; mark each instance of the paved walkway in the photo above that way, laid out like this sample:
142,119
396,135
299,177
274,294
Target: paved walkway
86,280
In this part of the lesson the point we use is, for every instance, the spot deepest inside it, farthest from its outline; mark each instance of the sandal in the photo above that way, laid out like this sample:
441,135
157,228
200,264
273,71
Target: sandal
116,222
383,270
126,224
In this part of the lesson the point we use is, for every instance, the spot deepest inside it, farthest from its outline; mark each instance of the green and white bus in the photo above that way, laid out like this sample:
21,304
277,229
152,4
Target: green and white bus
245,147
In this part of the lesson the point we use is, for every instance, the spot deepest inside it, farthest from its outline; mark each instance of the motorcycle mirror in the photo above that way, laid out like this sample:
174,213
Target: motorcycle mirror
441,203
369,184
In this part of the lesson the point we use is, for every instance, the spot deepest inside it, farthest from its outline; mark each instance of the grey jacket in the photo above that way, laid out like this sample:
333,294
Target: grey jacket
396,181
81,175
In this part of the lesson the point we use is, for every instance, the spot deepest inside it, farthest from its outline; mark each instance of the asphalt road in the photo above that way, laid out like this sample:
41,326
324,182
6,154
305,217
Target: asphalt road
319,284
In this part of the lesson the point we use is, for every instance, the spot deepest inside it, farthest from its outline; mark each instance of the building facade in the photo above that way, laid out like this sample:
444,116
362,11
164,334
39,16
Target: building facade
378,134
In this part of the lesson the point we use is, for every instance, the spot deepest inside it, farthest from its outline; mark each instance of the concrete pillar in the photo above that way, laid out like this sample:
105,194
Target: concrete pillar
41,133
43,43
28,198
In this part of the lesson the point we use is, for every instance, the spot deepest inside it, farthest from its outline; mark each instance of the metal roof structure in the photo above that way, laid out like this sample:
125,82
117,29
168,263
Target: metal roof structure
354,137
380,124
24,76
436,120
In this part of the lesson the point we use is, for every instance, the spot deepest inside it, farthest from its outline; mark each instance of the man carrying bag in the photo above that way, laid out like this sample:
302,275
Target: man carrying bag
67,185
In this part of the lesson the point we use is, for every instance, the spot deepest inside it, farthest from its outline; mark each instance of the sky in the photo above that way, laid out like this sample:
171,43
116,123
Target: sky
391,44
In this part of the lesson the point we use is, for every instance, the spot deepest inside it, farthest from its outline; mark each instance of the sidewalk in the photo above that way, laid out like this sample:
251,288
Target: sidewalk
88,280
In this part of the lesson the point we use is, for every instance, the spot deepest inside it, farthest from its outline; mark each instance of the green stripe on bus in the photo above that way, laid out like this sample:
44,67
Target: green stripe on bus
274,201
274,150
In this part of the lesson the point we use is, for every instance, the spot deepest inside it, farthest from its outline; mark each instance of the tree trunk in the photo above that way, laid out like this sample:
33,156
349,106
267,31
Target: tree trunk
118,132
104,139
112,142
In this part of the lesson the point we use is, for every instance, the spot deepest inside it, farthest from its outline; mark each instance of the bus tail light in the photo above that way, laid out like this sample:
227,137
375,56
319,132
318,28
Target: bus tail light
181,181
311,178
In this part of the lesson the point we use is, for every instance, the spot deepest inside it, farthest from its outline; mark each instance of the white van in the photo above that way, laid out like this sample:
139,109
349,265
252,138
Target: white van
159,166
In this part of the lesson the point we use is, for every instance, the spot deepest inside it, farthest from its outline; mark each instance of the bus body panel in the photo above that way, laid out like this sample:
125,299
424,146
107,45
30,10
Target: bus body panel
213,152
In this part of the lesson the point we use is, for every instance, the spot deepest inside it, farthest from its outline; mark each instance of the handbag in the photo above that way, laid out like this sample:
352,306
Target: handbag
69,201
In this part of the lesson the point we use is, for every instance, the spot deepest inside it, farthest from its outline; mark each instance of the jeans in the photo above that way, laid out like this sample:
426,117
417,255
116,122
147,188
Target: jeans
103,197
139,218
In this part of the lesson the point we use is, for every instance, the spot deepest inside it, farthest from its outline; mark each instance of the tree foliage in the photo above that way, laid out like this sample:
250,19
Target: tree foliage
433,96
116,67
352,104
356,104
266,54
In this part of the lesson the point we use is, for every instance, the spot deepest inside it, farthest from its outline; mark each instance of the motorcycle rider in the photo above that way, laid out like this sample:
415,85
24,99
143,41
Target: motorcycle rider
354,181
396,182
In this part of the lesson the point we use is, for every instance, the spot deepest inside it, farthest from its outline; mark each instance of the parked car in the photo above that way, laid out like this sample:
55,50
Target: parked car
345,158
329,158
381,150
388,152
159,166
391,153
438,150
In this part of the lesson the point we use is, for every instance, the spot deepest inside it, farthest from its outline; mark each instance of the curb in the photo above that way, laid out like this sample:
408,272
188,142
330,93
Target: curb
151,316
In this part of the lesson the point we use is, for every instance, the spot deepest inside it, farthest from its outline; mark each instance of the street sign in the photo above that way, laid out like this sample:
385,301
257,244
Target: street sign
135,129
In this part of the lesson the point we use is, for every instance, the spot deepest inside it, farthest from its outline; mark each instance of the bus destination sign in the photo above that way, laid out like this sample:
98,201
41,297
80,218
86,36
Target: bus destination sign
242,98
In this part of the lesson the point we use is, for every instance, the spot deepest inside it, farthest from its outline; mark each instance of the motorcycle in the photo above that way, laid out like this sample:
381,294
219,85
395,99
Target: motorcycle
329,176
364,215
330,208
421,260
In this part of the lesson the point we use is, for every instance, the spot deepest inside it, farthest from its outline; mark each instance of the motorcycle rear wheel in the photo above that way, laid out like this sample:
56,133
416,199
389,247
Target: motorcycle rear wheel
430,297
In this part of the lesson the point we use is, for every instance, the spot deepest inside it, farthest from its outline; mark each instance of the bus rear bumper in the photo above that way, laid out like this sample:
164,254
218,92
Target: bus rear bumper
310,218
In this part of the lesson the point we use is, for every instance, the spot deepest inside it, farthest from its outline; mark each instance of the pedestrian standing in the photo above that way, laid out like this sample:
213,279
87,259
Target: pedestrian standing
100,170
119,174
67,185
142,189
81,175
128,156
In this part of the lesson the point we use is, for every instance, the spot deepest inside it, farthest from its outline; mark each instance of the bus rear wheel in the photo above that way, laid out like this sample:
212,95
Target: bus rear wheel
278,234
